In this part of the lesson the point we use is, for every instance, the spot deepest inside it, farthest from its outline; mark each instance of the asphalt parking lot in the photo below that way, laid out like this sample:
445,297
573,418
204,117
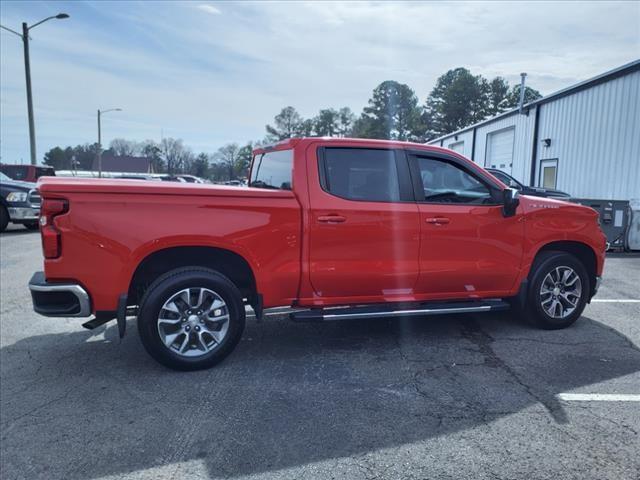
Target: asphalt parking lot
480,396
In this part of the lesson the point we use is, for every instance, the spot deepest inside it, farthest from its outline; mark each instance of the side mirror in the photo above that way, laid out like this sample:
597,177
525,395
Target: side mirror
510,202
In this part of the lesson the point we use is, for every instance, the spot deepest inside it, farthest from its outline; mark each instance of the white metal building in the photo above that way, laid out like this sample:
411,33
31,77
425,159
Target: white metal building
584,140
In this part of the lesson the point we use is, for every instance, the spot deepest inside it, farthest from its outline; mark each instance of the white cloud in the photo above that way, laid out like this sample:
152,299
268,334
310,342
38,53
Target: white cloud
206,7
170,70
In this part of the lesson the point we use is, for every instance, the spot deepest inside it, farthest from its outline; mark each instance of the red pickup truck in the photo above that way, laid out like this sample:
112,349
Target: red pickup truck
340,228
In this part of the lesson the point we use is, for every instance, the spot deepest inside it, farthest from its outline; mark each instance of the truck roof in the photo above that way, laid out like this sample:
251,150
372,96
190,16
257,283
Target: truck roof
345,141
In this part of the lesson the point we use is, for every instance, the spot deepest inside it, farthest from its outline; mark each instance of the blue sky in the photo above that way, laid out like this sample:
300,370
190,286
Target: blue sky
217,72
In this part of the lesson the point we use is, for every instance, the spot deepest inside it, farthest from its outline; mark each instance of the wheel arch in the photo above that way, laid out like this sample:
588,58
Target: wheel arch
229,263
583,252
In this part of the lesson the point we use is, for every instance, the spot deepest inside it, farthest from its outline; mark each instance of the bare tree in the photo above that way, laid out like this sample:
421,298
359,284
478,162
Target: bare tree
228,157
122,147
175,154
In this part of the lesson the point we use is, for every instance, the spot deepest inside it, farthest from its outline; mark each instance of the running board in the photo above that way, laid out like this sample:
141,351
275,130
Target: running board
397,310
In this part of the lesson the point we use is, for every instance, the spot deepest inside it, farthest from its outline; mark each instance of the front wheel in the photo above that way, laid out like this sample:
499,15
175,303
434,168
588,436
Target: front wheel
191,318
4,218
558,290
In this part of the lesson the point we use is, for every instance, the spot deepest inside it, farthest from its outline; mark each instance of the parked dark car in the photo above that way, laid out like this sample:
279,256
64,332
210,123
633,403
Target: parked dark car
26,173
19,203
509,181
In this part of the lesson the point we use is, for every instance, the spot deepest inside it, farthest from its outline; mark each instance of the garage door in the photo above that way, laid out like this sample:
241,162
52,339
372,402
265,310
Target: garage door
457,147
500,150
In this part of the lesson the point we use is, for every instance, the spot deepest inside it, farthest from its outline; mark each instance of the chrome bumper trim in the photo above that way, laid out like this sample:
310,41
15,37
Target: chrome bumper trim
79,292
24,213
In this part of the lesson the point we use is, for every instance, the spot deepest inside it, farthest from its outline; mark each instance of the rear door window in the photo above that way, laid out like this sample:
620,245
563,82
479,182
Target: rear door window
361,174
273,170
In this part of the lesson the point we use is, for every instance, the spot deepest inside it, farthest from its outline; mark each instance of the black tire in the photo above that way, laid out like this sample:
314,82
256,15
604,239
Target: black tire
167,285
32,226
4,218
544,264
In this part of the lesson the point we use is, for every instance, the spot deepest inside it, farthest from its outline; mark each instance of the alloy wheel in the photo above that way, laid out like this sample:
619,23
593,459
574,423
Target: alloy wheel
560,292
193,322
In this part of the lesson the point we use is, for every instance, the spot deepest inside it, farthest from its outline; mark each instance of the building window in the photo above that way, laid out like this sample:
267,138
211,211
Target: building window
548,173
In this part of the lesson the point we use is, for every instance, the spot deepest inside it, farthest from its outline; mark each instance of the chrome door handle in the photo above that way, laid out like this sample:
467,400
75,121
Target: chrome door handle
437,220
331,219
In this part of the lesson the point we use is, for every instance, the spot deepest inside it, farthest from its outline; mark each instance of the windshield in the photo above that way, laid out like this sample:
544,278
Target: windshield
272,170
506,179
16,172
4,178
45,172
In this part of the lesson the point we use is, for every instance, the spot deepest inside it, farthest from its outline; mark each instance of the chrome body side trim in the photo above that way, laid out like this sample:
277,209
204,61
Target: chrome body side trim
79,292
422,311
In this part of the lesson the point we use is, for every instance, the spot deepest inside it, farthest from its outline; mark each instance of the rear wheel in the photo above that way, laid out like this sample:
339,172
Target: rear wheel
558,290
191,318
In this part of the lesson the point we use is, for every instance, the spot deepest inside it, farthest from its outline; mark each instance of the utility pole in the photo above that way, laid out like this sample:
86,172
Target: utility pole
99,147
27,72
99,154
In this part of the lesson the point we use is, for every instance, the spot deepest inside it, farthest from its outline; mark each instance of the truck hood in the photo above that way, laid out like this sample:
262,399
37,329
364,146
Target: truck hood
549,192
141,187
18,185
532,204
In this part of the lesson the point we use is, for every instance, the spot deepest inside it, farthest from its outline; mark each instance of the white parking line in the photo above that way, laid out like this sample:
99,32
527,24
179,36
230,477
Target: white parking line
615,300
598,397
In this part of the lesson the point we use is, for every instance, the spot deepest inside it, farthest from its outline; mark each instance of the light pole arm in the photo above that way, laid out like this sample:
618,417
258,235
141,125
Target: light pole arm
12,31
41,21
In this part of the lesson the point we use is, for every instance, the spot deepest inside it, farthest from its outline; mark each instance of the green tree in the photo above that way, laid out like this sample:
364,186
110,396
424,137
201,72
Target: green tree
346,118
84,155
325,124
498,88
459,99
392,113
200,166
512,99
287,124
59,158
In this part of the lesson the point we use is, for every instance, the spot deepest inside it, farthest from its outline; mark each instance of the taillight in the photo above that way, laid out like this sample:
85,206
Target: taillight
51,208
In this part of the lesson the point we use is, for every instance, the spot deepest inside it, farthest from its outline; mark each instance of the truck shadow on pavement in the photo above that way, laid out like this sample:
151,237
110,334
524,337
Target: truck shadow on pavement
85,405
18,231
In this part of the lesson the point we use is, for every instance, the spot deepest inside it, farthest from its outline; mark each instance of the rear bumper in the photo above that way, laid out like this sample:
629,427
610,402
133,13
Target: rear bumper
58,299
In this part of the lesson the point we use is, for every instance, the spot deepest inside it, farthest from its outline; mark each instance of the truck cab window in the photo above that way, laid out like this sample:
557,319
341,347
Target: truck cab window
445,182
272,170
361,174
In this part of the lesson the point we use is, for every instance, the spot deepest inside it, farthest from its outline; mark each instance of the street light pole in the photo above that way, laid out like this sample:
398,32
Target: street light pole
100,113
99,147
27,72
